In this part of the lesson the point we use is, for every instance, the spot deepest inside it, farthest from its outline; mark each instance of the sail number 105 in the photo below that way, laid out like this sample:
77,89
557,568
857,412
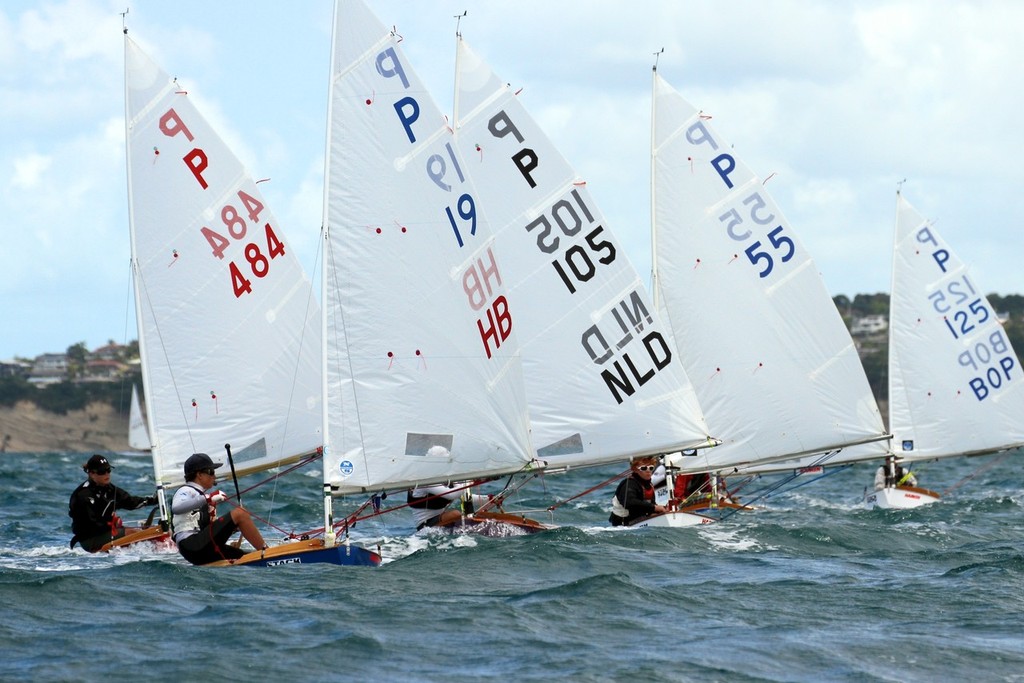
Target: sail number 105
578,264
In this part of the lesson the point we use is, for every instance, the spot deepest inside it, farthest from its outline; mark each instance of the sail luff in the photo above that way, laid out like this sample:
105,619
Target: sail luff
655,282
147,382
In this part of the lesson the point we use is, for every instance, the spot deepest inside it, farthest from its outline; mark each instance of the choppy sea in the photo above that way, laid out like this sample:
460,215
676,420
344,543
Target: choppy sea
811,587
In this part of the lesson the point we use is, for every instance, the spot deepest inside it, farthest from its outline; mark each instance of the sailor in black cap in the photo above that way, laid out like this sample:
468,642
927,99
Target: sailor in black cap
92,505
201,535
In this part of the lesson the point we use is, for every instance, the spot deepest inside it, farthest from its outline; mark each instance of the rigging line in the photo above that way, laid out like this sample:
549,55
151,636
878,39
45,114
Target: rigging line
975,473
167,361
302,463
773,489
342,329
500,497
604,483
350,520
295,373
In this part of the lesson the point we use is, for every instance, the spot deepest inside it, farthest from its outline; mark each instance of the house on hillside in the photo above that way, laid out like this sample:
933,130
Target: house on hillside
15,368
869,324
49,368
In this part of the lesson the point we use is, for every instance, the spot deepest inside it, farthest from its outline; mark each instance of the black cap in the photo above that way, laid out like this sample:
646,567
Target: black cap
199,461
97,462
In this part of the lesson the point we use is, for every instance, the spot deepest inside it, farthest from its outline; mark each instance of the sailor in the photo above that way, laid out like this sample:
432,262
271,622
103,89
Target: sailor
634,497
891,474
201,535
92,506
430,504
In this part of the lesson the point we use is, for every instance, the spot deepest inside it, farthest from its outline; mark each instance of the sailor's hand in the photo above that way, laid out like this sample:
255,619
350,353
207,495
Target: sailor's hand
149,500
214,497
660,508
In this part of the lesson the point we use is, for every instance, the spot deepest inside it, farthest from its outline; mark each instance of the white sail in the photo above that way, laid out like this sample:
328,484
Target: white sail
423,378
604,379
775,369
229,333
138,434
956,386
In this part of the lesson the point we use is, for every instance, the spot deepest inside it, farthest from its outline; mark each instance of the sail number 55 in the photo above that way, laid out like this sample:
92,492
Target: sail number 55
759,214
237,228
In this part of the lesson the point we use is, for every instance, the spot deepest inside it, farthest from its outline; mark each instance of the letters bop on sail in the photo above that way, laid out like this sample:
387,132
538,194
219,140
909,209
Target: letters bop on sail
955,382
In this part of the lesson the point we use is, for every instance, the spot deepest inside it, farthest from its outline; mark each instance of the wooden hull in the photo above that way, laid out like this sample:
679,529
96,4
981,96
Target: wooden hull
153,534
900,498
495,524
312,551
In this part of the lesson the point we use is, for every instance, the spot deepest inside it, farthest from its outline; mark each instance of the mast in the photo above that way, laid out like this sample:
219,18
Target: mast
655,294
329,535
147,382
889,333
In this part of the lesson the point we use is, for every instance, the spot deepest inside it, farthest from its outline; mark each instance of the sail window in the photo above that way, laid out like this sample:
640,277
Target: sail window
427,444
570,444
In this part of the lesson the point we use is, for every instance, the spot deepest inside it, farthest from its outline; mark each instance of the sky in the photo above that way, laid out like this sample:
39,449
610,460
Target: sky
841,101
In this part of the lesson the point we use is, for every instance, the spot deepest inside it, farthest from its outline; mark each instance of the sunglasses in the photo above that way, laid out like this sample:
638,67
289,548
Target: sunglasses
102,470
647,468
208,471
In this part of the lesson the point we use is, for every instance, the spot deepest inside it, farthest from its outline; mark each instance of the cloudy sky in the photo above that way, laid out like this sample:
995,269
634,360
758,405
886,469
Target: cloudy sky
840,100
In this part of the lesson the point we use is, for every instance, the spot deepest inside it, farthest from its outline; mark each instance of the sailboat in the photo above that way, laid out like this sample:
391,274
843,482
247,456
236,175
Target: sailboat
604,379
138,435
422,372
956,386
229,329
774,367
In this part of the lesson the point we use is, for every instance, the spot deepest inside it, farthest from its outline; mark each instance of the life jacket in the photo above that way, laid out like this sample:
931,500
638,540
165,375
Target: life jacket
192,520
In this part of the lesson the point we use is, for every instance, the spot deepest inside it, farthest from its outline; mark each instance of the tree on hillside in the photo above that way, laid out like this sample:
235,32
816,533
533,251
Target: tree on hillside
77,354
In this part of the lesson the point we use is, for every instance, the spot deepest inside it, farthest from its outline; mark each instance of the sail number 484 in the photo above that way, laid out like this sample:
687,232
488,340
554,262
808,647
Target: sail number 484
237,228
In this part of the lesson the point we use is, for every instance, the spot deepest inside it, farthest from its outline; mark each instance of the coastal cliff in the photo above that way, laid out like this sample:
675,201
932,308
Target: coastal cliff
26,428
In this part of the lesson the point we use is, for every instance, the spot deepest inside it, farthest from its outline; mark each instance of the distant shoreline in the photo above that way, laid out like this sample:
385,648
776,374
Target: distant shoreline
27,428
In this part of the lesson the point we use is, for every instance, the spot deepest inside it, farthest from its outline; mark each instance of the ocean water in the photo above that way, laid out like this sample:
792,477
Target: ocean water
811,587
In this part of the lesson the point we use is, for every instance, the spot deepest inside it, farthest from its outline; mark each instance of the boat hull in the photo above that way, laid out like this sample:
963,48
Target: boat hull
153,534
494,524
900,498
674,519
311,551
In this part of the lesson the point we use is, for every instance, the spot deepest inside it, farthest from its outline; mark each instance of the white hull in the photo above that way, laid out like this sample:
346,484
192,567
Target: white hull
674,520
902,498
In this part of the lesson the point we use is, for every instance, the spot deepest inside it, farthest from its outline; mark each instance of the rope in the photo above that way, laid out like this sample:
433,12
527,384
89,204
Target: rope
976,472
591,489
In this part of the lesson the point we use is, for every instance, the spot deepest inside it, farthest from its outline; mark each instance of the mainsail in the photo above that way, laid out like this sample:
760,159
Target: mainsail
604,379
423,381
229,332
955,382
774,367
